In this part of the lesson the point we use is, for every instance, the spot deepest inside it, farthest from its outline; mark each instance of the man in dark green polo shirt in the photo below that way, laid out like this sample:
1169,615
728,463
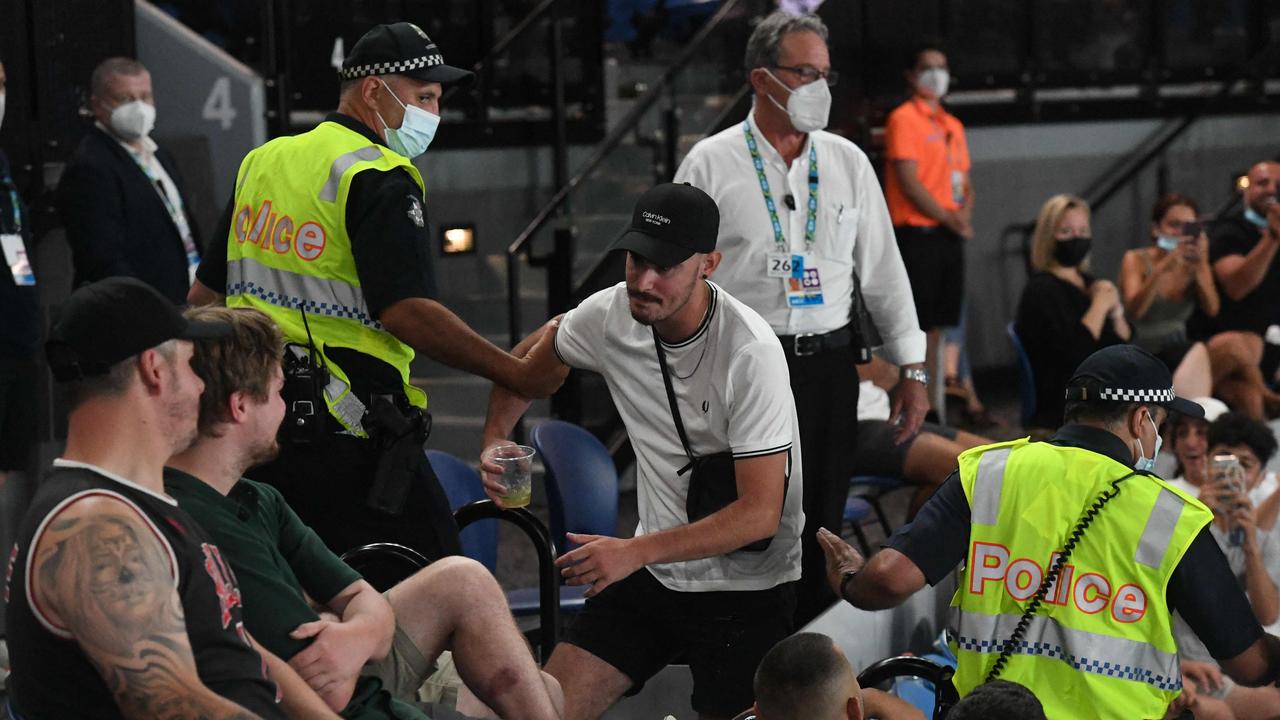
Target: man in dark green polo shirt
361,641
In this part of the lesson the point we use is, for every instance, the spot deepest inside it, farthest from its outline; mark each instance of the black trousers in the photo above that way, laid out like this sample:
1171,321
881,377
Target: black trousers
825,387
326,484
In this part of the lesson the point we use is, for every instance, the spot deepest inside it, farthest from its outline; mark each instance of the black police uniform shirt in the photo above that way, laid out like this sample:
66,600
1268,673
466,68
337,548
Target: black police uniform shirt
392,252
1233,235
1202,588
19,327
53,678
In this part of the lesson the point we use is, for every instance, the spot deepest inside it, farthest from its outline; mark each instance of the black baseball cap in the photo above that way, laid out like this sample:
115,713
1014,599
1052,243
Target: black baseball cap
112,320
400,49
1127,373
671,222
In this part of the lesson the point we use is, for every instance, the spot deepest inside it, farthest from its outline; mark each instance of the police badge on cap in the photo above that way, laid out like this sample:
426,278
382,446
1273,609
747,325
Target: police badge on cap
400,49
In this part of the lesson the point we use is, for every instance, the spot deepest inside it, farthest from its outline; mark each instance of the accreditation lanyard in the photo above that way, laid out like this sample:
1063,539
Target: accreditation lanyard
176,213
811,219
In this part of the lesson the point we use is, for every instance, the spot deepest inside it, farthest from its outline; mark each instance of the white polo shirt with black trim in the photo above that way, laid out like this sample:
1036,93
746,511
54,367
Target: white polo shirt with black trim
734,393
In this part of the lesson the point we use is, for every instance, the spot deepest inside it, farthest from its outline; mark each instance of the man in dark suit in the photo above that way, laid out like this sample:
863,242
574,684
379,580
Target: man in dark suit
121,198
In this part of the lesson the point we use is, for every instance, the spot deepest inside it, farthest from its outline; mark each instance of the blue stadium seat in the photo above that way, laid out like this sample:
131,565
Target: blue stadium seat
856,511
871,488
582,482
462,486
1026,377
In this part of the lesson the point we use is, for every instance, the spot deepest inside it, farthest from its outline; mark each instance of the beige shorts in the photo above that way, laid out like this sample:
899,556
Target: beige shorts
403,670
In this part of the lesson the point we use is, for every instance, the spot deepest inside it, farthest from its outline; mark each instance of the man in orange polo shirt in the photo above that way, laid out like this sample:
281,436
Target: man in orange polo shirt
928,193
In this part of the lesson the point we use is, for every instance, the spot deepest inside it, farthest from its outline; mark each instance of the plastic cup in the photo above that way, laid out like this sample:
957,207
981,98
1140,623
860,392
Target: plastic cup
516,462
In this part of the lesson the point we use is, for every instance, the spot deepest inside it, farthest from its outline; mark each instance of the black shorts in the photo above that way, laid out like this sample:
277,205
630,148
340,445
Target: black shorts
934,258
639,626
875,453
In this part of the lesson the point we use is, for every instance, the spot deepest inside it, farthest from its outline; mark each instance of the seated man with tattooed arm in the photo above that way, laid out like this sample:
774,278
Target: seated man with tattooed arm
117,603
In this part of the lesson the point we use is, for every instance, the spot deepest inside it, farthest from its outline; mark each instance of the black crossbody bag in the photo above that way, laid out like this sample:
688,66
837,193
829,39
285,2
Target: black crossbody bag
713,484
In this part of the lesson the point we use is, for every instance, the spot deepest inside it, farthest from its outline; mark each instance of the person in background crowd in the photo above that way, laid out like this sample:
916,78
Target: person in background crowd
930,198
1242,247
924,460
1080,516
1162,285
1252,550
803,222
807,677
998,700
121,197
1189,443
347,273
19,323
1065,314
353,635
115,598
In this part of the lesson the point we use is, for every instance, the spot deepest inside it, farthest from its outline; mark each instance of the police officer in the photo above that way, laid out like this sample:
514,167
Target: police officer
1075,557
326,233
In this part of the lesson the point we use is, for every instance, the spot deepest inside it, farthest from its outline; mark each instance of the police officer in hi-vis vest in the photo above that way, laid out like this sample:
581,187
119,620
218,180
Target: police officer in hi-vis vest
327,234
1074,557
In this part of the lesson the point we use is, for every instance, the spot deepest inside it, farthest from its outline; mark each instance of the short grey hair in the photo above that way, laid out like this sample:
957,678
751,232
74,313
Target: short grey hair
762,46
110,68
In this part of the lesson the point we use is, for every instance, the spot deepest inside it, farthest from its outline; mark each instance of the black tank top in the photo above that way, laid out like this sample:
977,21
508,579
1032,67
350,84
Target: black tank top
53,679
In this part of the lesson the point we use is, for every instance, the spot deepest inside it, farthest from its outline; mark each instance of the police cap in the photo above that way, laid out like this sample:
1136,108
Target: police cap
400,49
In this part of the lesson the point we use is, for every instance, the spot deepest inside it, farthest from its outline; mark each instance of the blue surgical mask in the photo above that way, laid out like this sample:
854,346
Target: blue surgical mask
1148,464
1166,243
416,131
1254,217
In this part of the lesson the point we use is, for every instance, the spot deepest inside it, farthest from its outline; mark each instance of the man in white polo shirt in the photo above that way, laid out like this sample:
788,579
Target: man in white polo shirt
684,584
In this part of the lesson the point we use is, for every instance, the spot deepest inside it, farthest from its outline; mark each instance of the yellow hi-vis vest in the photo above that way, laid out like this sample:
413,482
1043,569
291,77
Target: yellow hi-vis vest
1101,644
289,251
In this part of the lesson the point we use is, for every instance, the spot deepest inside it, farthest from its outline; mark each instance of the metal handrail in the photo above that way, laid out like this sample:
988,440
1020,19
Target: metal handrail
520,28
625,126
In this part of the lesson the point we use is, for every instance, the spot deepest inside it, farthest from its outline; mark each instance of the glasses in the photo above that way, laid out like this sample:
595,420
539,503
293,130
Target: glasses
809,74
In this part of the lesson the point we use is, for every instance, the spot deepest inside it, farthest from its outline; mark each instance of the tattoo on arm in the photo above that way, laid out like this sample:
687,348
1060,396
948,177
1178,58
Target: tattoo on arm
103,575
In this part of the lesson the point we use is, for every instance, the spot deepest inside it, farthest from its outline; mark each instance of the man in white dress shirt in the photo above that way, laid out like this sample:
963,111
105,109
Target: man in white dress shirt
804,220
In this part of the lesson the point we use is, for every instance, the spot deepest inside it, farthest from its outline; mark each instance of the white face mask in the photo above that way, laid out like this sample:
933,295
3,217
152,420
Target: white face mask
133,120
808,106
1,109
934,82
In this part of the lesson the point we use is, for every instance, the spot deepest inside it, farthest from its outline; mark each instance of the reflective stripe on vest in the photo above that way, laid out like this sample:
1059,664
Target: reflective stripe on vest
318,296
986,489
340,166
1105,655
1158,532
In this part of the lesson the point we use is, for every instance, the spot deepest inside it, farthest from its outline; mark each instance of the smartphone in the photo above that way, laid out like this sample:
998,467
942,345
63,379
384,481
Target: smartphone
1192,229
1226,470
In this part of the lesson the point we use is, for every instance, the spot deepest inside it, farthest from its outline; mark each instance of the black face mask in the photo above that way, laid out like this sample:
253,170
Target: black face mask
1071,251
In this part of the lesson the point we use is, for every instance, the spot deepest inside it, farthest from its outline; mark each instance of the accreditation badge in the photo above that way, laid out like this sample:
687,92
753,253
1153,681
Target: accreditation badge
778,265
15,256
804,286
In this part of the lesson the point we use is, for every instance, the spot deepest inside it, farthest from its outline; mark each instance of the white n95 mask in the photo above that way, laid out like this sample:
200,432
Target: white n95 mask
133,120
808,105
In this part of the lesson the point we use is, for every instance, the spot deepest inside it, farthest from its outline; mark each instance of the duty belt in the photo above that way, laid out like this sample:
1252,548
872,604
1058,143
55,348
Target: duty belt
803,344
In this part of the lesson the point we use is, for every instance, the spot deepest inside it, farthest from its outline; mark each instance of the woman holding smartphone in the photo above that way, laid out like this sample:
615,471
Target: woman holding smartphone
1163,283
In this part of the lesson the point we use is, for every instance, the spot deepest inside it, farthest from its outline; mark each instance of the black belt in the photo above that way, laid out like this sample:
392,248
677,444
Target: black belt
814,343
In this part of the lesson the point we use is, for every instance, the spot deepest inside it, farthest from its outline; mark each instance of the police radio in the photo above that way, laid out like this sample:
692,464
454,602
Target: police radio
305,378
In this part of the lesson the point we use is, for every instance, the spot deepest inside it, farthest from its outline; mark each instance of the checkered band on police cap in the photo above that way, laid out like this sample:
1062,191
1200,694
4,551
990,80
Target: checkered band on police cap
1131,395
390,68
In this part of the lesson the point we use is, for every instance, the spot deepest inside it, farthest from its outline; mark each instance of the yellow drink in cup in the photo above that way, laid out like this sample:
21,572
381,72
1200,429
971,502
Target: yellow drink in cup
516,462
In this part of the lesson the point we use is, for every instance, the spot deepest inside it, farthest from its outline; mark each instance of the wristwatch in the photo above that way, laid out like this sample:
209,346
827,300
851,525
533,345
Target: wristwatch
920,375
844,581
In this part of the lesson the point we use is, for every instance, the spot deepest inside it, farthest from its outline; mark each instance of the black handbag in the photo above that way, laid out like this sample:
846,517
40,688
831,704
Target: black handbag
713,483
